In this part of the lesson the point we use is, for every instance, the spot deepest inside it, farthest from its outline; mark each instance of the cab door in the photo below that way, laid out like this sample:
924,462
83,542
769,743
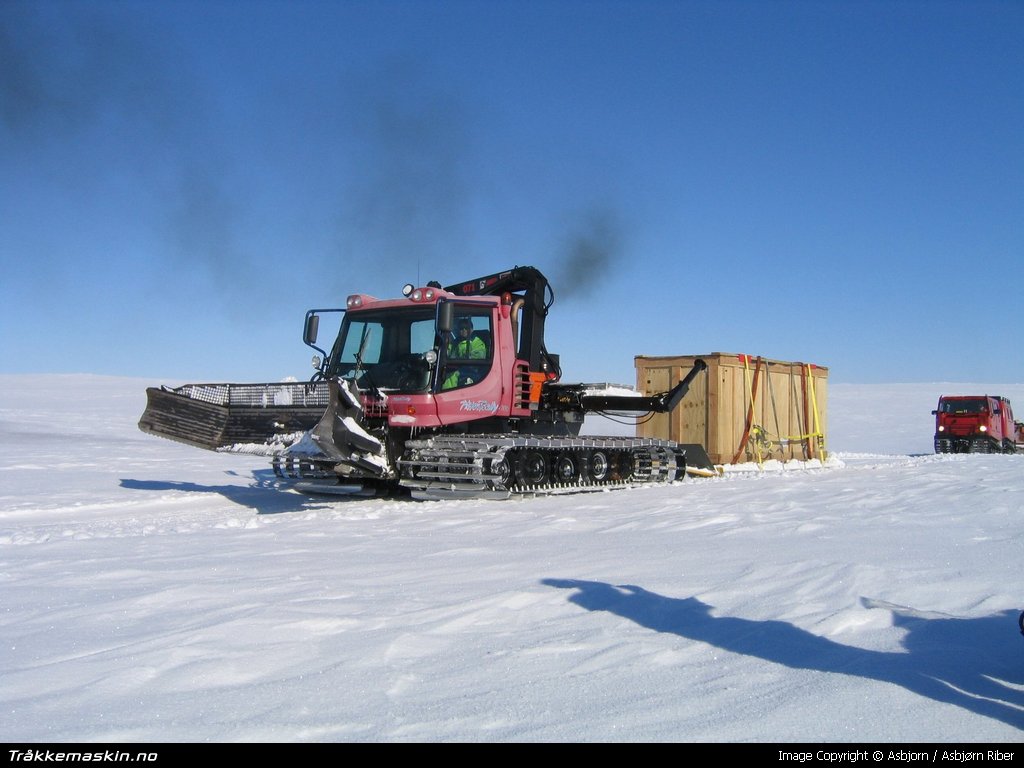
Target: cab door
468,384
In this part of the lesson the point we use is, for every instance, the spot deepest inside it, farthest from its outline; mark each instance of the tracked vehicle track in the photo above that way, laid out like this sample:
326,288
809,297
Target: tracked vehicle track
500,466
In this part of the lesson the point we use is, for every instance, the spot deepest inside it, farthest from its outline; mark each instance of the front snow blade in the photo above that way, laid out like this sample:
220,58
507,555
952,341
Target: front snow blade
217,416
340,436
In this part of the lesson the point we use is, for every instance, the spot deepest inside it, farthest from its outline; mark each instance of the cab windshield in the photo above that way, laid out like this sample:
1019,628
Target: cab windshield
385,350
974,405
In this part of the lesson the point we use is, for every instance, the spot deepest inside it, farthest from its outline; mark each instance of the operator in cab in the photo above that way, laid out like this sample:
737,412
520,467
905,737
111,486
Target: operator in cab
465,346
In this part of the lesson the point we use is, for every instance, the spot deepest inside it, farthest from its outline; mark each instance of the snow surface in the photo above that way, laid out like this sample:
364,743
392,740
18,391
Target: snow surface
154,592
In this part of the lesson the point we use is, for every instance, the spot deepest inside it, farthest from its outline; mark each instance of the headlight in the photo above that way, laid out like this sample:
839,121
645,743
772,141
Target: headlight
983,428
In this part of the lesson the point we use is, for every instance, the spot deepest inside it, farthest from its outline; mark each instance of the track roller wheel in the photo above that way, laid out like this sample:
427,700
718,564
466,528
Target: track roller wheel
566,469
533,468
501,470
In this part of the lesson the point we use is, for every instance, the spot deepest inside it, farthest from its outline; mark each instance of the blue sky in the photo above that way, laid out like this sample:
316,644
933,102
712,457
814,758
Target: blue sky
840,183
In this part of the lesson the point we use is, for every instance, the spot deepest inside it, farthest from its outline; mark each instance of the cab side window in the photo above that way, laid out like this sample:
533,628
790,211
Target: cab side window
469,351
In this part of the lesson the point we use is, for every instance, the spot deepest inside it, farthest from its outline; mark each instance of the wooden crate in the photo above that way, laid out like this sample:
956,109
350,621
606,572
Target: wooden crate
787,421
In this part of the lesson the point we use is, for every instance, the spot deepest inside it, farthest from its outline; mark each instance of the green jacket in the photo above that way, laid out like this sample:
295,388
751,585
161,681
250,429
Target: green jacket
472,348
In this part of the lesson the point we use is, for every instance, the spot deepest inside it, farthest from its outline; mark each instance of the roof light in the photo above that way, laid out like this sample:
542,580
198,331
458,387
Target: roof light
354,301
407,289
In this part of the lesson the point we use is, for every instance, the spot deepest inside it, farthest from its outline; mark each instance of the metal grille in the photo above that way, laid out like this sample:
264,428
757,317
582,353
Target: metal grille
300,394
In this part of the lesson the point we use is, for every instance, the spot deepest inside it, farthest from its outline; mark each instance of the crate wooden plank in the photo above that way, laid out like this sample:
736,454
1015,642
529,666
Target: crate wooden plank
743,408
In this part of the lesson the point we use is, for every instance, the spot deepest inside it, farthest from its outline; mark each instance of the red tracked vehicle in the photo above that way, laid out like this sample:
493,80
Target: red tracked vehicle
394,407
976,424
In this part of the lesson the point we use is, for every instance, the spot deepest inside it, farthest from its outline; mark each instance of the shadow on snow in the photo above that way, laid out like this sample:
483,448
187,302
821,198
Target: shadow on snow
264,496
974,663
